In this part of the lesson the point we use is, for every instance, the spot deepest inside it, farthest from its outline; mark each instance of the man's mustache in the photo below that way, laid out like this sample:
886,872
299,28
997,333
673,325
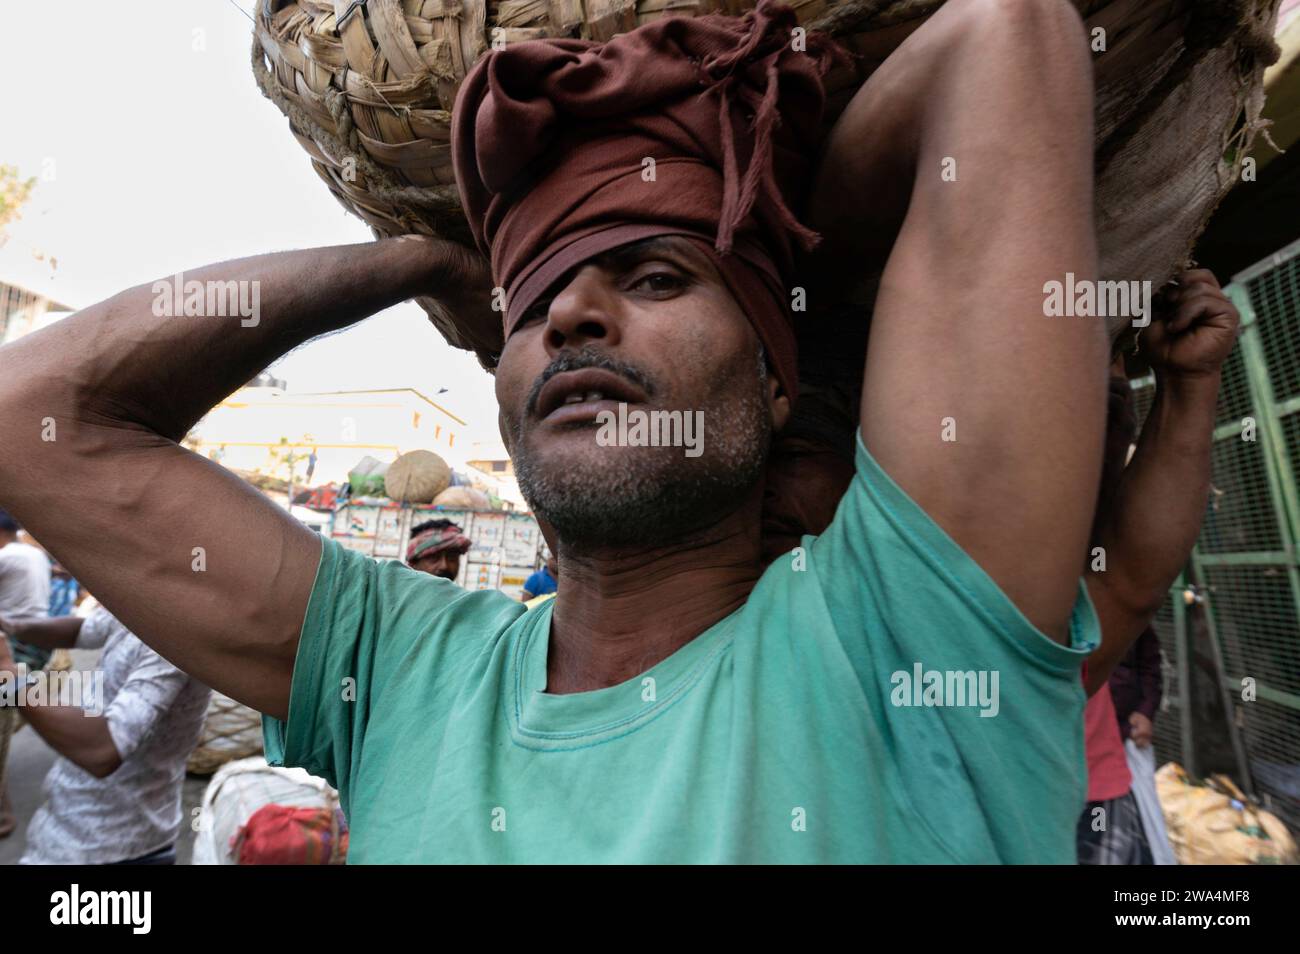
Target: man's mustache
587,356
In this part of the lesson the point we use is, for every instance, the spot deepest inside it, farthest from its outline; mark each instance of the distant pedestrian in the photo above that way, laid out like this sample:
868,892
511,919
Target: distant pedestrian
544,581
24,592
24,586
65,591
114,794
436,548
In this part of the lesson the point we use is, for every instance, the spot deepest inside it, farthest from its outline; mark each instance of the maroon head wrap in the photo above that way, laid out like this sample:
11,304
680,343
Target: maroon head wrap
549,137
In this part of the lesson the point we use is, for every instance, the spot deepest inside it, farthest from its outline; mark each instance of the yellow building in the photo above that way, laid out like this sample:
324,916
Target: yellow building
265,429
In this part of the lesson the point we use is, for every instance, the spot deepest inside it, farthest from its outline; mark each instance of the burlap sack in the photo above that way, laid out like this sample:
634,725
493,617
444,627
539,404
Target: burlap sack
1216,824
463,498
417,476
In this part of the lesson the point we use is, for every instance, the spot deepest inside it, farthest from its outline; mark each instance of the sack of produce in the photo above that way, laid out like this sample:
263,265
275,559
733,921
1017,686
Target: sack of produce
417,476
1216,824
367,478
463,498
240,790
283,835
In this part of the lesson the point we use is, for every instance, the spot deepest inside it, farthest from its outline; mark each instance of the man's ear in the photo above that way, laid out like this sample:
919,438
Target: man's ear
778,402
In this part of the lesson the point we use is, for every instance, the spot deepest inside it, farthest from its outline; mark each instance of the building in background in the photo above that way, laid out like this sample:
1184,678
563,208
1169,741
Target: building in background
490,459
23,310
29,297
316,438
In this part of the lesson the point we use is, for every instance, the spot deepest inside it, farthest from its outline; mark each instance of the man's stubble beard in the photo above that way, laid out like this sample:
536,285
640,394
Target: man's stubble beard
651,496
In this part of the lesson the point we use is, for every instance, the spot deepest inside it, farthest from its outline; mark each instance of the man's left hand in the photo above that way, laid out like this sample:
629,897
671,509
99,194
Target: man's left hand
1194,329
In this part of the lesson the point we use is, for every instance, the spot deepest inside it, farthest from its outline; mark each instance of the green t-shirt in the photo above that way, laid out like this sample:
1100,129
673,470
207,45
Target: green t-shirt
807,726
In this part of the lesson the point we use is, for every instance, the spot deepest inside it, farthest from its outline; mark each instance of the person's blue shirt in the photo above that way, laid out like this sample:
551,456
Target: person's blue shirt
540,583
64,591
63,600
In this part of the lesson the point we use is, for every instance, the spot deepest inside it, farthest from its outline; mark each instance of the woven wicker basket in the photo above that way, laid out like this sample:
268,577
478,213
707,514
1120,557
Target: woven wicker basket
368,85
231,731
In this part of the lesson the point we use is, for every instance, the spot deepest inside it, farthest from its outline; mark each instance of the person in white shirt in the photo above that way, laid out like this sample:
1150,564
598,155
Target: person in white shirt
24,575
114,794
24,594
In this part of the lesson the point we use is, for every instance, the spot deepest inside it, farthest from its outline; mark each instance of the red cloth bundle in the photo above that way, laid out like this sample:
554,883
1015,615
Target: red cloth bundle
284,835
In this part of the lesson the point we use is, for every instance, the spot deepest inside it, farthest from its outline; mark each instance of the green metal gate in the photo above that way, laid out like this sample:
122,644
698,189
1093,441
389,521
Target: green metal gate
1246,565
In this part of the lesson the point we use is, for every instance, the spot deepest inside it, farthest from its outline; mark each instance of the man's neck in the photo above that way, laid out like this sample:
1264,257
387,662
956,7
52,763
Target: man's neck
620,612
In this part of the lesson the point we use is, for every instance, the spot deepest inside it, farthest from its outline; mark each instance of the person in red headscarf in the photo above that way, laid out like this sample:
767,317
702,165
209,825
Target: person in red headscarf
436,547
649,208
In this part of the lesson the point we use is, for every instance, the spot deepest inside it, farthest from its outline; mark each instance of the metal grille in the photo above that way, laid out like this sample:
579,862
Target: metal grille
1291,440
1240,517
1275,295
1256,614
1254,607
1234,398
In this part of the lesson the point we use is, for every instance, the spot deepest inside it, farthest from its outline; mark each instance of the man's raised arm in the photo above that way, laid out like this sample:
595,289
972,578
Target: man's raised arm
1148,532
200,565
970,150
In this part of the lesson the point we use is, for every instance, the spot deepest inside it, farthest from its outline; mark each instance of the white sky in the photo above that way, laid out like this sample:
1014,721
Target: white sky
165,158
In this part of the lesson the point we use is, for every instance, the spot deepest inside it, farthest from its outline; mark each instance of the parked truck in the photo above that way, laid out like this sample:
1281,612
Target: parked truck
506,546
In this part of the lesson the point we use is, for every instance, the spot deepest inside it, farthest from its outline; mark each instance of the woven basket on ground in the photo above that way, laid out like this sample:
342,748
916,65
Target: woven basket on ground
231,730
368,86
